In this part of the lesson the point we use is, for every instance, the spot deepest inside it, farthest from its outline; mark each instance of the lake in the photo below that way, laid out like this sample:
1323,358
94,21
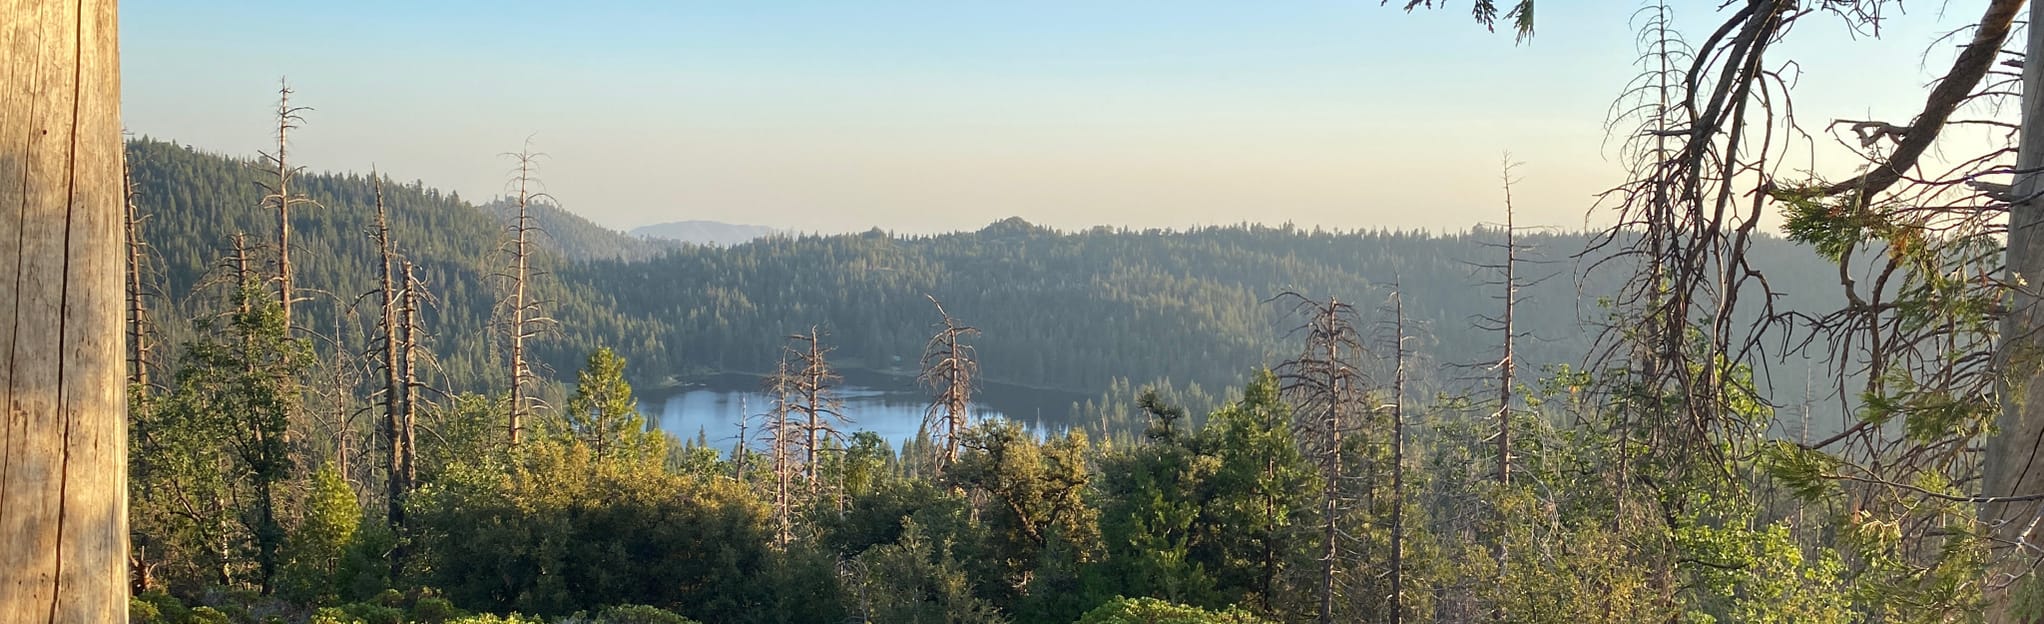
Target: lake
890,405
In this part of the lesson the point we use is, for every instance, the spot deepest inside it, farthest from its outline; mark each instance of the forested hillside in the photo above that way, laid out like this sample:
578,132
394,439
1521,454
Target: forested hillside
571,236
192,202
1070,311
1074,310
258,449
352,400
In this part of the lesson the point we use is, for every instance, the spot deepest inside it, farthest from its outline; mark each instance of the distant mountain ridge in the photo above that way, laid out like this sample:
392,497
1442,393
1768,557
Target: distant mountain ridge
578,238
711,233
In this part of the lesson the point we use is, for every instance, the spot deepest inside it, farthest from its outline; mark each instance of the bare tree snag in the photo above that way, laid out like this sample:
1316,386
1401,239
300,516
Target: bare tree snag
1507,365
139,347
1325,382
522,317
278,194
387,329
815,397
392,355
409,352
1397,406
949,369
63,443
781,431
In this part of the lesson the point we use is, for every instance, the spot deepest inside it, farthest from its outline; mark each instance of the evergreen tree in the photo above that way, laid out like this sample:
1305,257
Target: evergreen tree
602,413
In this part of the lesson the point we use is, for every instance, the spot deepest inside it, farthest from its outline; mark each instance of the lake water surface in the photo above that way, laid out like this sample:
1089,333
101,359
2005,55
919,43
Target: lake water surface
891,406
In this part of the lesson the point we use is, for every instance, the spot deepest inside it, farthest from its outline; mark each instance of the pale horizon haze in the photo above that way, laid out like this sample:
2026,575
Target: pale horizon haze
938,116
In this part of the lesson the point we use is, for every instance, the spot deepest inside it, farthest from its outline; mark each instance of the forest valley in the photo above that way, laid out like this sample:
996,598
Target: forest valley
359,400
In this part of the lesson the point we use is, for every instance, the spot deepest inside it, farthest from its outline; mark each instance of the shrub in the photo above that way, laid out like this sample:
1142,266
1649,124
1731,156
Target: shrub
1154,611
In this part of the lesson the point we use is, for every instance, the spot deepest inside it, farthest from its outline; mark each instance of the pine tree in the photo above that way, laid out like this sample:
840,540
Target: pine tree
602,412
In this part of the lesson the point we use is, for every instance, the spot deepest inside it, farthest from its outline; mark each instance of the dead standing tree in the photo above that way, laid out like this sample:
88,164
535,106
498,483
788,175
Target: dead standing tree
277,194
387,344
141,345
812,384
411,352
781,432
523,318
1506,366
949,370
1326,384
63,442
1396,407
396,349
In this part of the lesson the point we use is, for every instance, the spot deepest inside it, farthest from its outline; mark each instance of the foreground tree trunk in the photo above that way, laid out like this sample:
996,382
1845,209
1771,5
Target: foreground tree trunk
2011,466
63,442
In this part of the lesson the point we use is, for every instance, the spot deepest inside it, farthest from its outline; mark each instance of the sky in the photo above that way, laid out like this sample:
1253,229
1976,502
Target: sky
931,116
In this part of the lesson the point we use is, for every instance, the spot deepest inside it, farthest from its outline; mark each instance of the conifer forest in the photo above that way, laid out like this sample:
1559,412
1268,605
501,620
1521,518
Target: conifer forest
1750,390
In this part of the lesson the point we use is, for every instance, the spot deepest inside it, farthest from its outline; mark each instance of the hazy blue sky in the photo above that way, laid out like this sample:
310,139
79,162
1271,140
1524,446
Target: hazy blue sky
926,116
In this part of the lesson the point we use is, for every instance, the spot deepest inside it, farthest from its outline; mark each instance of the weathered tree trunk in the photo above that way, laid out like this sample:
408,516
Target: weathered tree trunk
397,446
408,375
2011,460
1330,458
812,388
520,307
949,367
1323,382
784,470
818,404
287,118
1398,456
388,326
63,441
139,348
1507,365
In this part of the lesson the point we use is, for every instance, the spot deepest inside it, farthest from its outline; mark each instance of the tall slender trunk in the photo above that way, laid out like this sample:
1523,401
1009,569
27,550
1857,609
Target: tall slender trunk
1507,365
812,407
738,448
409,337
281,194
519,273
1398,459
784,469
243,276
139,347
1330,546
388,327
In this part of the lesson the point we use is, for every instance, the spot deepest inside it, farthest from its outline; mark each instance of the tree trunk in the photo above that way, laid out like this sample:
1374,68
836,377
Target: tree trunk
1398,457
1506,366
519,321
408,376
2011,456
138,314
63,441
1330,546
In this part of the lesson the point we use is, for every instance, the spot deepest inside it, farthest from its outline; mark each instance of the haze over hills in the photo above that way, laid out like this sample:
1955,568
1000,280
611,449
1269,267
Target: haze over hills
712,233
